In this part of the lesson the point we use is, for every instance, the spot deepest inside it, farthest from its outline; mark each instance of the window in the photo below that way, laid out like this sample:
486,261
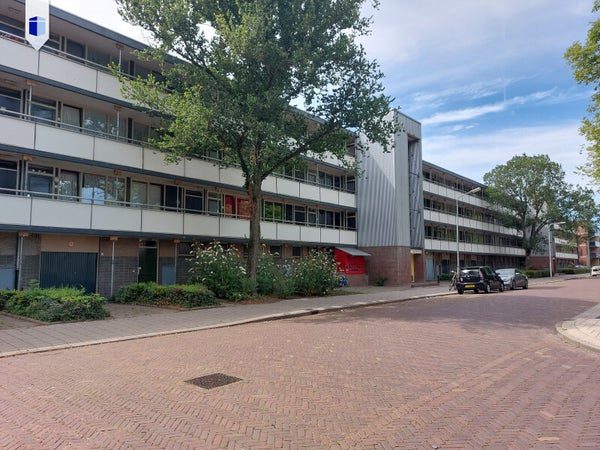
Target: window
71,117
155,196
40,180
68,185
243,208
351,221
214,203
312,216
275,250
289,213
76,49
272,211
140,132
117,128
8,177
300,215
12,26
98,57
139,194
296,252
95,121
43,110
10,101
172,194
93,189
351,184
115,190
194,201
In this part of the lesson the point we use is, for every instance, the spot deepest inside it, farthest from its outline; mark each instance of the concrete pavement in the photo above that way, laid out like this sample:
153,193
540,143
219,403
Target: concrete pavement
583,329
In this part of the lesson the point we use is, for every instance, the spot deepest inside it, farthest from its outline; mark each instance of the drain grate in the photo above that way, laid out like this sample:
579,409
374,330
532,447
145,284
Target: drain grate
213,380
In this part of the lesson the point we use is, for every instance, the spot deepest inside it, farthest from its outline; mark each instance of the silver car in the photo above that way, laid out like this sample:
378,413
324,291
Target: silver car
595,270
513,278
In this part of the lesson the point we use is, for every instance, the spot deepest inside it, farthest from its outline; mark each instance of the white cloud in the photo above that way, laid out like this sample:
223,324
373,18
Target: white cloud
473,156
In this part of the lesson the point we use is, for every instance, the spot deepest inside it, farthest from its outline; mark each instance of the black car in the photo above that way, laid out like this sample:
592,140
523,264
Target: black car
479,278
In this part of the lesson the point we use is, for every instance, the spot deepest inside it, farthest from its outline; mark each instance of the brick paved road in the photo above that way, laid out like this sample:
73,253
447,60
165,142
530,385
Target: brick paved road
470,371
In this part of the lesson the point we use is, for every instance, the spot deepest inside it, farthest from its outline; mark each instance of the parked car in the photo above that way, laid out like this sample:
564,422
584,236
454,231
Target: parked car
479,278
513,278
595,270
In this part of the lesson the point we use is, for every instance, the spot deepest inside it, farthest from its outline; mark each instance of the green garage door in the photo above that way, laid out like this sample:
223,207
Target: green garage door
68,269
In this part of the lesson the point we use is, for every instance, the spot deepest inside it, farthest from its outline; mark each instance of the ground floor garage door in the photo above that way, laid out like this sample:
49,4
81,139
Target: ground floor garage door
68,269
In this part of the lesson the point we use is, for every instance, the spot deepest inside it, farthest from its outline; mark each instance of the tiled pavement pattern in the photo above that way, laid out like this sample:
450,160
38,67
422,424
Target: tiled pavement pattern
472,371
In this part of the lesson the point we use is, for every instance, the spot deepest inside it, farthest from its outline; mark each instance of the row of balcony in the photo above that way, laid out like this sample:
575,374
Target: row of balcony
45,213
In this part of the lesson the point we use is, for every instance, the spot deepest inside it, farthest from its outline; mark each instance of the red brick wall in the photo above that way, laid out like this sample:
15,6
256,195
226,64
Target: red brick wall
393,263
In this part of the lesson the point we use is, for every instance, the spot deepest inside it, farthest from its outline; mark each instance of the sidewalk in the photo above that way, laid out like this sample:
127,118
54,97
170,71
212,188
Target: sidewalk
584,329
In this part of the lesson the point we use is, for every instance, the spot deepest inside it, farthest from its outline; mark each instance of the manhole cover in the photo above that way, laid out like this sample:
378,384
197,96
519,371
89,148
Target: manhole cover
213,381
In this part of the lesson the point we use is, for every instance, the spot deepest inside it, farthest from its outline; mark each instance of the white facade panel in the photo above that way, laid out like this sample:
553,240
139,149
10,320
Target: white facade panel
22,57
15,210
109,85
64,142
155,161
288,232
232,176
118,153
161,222
310,234
269,185
288,187
116,218
268,230
329,235
347,199
234,228
329,196
68,72
196,224
203,170
50,213
309,191
348,237
17,132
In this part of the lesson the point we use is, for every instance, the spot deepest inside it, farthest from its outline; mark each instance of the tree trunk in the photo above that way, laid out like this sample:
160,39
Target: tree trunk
254,189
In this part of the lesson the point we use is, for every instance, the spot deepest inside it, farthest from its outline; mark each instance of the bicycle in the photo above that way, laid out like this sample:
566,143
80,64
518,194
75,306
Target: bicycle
452,286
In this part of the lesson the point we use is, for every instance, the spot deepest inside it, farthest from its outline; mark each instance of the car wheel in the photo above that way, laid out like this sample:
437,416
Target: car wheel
526,285
513,285
487,288
501,288
460,291
476,290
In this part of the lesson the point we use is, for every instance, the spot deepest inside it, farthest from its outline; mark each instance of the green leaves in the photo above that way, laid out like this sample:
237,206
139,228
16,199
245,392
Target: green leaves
531,192
584,60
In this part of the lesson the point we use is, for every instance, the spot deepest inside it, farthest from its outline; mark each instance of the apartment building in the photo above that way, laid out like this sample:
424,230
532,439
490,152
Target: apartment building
417,219
85,200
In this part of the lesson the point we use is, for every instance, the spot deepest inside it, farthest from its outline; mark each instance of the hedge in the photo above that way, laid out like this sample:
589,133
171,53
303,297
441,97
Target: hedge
186,296
54,304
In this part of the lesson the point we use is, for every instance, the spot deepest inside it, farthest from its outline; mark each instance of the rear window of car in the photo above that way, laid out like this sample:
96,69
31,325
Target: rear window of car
469,272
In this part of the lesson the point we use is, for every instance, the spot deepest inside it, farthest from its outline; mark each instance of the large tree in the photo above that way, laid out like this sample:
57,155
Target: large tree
583,59
531,193
246,63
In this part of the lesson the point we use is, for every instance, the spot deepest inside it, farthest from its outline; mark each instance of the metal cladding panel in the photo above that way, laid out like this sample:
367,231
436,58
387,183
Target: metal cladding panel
389,194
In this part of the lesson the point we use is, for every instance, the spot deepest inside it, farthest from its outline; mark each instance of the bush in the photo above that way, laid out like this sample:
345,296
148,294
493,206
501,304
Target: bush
223,271
316,275
274,279
5,296
187,296
536,273
56,304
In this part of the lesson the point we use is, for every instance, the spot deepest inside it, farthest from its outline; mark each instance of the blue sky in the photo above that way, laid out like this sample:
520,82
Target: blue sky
486,78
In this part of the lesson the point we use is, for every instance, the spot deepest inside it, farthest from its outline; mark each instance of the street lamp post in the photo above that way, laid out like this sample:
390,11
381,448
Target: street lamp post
550,226
472,191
